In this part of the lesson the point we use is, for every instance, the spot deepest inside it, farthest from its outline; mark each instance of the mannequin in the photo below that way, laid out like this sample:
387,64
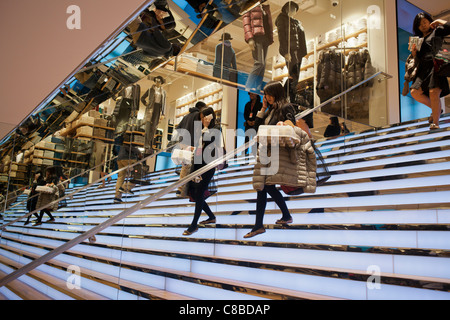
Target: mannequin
258,32
227,59
292,39
154,111
126,110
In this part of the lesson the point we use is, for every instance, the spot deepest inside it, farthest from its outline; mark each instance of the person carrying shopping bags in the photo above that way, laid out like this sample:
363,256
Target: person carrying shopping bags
292,161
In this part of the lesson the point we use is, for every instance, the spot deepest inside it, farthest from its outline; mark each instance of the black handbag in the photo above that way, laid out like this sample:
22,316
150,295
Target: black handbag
442,57
139,174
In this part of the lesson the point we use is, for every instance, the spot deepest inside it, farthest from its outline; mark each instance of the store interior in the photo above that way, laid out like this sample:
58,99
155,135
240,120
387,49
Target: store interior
77,128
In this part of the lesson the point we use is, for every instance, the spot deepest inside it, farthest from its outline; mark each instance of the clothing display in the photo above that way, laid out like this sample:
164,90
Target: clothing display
329,74
258,30
358,68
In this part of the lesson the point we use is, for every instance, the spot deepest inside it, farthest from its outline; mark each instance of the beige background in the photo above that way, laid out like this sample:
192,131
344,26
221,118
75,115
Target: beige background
38,51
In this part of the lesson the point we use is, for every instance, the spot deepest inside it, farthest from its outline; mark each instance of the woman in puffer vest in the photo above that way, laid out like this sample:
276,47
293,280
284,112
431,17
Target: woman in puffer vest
288,164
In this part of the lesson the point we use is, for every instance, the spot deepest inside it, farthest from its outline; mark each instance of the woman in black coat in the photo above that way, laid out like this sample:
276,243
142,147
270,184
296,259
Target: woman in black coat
428,88
199,186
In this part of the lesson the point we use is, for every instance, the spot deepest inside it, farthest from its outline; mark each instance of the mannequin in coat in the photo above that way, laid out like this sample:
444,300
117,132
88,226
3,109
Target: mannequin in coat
126,110
155,101
225,64
292,39
258,33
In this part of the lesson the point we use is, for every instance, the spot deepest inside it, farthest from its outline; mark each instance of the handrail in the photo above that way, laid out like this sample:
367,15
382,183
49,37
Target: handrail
308,111
68,245
88,185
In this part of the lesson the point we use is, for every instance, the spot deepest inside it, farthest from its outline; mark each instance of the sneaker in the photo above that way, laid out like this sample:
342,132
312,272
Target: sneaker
117,200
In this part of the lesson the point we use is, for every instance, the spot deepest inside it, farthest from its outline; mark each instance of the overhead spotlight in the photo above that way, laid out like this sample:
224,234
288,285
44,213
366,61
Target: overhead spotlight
334,3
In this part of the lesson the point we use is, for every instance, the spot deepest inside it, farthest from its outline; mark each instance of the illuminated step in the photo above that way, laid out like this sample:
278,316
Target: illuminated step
103,282
393,142
312,252
399,129
212,286
46,283
236,269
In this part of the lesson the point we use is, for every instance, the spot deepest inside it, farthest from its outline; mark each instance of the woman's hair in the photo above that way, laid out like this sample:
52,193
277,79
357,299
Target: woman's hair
335,121
209,111
417,21
276,90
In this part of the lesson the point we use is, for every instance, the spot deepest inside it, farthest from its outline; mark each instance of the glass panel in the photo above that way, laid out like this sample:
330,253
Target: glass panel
126,104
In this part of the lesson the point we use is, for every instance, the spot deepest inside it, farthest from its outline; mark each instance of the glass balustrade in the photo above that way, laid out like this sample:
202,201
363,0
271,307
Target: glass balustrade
112,165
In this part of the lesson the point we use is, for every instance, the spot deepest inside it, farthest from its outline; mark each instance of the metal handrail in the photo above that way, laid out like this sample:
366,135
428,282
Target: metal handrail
68,245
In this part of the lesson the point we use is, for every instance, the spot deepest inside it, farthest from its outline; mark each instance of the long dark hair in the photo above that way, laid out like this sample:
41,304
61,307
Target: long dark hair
206,112
417,21
276,90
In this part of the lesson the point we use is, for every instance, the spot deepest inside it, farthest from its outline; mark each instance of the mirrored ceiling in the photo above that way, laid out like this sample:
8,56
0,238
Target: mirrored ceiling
171,38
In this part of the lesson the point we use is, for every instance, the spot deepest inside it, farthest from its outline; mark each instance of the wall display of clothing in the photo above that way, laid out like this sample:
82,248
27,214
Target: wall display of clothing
211,94
332,63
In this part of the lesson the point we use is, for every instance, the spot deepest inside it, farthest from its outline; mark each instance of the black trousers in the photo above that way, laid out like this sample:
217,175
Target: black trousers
198,194
47,211
261,203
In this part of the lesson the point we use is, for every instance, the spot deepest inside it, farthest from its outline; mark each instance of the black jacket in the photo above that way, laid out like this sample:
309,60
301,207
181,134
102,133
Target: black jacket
249,114
187,123
291,35
286,112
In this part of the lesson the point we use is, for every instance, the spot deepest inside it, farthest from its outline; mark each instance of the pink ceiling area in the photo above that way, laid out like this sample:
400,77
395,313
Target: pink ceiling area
39,51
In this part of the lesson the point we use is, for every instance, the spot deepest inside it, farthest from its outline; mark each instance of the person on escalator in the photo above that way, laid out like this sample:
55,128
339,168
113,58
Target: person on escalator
205,152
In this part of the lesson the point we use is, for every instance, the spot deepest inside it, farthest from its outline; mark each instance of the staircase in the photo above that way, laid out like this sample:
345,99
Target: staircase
379,229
